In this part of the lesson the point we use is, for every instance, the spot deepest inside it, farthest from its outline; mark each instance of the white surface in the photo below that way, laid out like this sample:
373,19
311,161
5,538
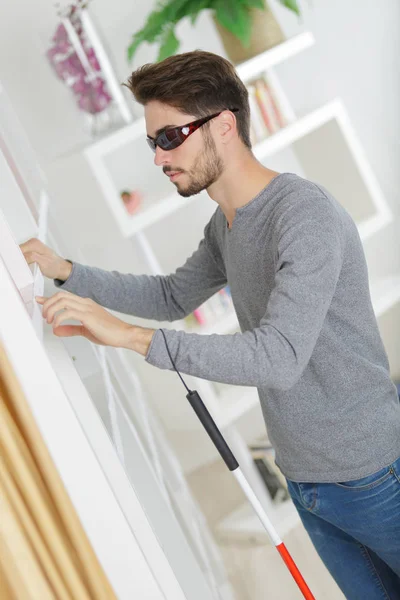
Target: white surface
135,487
385,293
243,524
272,57
13,204
294,131
235,402
97,507
15,262
18,152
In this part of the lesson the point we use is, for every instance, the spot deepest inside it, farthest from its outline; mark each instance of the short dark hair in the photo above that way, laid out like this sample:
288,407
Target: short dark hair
197,83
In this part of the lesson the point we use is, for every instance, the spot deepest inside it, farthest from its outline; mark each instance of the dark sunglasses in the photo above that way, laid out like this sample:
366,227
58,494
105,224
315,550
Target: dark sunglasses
171,138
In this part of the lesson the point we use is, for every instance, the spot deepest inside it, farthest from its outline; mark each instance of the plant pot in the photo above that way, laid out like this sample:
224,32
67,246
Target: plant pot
265,33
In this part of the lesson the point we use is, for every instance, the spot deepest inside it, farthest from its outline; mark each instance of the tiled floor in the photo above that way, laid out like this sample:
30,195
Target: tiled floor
257,572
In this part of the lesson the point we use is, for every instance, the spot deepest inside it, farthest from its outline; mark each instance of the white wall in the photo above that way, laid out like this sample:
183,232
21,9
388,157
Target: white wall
356,57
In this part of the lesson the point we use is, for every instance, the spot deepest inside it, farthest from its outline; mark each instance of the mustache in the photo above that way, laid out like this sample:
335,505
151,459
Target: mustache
174,170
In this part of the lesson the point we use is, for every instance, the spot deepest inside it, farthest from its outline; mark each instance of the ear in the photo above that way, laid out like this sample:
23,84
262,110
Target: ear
227,126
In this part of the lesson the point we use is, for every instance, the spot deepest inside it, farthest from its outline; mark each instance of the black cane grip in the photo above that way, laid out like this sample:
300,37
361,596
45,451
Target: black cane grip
212,430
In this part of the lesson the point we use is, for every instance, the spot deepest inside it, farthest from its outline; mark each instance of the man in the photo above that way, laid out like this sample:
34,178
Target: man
309,339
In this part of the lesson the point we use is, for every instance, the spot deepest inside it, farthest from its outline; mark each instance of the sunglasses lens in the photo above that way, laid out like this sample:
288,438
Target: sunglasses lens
151,143
170,138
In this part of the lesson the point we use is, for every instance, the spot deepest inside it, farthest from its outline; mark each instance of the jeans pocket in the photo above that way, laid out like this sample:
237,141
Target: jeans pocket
369,482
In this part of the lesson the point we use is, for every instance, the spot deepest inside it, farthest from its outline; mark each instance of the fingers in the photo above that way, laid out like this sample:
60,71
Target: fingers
61,301
69,330
70,313
32,250
32,257
32,245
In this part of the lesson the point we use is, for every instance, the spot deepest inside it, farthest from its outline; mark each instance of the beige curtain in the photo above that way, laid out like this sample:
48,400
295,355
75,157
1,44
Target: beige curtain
44,551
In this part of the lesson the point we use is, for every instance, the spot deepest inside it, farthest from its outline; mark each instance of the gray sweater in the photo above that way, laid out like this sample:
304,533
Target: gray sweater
309,338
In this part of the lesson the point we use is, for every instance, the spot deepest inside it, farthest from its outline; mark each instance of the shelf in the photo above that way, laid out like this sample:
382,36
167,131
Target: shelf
294,131
117,138
272,57
16,150
152,210
243,524
321,138
246,71
28,282
325,137
152,215
385,293
15,262
111,157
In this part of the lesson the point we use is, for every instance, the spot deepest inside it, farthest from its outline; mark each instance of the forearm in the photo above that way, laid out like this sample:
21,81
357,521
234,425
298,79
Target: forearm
258,358
163,298
147,297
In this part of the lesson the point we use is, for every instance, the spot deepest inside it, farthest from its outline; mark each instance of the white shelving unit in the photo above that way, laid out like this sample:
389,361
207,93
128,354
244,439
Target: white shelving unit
385,293
165,553
22,192
325,145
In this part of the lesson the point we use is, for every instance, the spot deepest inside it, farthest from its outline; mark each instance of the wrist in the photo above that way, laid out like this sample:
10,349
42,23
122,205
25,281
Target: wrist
65,270
139,339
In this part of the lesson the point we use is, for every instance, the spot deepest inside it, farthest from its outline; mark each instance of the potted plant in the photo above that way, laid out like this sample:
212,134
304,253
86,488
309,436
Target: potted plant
246,27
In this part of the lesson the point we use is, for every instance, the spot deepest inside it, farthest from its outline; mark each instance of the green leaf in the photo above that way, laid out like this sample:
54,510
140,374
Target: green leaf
169,45
234,17
291,5
254,4
166,13
199,5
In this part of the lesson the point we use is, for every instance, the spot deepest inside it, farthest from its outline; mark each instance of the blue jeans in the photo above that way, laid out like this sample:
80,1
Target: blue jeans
355,528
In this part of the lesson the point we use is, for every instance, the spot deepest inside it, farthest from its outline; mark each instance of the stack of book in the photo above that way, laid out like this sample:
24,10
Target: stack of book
266,116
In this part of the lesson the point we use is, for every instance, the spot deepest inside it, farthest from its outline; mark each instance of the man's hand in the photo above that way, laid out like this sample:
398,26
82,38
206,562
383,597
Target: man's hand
97,324
50,264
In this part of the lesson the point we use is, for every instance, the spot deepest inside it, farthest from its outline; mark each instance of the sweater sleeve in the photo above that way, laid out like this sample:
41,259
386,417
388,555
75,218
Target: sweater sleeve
163,298
273,355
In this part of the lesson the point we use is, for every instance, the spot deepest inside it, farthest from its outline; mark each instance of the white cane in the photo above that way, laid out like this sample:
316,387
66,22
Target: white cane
232,464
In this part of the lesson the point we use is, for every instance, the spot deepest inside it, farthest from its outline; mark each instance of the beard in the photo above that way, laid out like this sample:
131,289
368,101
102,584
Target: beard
208,168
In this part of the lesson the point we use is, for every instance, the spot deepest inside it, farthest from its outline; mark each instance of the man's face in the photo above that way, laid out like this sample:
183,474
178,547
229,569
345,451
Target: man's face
194,165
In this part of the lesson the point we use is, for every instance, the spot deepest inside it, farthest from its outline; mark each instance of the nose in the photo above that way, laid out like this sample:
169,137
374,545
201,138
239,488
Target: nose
161,157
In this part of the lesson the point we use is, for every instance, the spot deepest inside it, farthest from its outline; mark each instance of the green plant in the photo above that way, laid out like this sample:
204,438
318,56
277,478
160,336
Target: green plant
234,15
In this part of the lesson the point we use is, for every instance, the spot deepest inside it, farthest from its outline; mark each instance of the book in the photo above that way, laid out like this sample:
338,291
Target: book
274,104
257,121
266,109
